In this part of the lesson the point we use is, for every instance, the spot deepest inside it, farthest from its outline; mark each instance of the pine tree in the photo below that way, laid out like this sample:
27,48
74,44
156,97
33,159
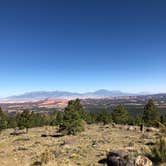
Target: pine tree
12,123
3,120
120,115
104,116
151,116
59,118
25,120
72,122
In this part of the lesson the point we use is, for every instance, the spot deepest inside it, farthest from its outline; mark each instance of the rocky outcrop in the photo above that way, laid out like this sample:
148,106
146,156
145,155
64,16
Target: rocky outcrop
119,158
143,161
152,129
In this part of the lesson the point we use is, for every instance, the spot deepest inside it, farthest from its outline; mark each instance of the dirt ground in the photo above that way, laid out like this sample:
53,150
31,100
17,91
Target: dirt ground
85,149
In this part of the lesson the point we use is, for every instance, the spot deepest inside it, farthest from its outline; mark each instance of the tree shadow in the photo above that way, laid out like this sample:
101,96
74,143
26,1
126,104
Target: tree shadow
52,135
103,161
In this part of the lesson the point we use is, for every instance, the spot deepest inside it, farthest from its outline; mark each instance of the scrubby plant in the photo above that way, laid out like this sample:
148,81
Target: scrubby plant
158,151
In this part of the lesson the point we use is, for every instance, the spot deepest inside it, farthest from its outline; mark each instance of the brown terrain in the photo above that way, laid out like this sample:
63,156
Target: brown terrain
53,102
86,149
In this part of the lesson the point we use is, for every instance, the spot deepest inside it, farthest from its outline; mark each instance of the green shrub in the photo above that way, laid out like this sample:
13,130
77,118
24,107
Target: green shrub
158,151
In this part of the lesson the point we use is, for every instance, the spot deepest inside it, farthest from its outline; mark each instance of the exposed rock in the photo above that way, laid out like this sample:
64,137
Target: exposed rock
74,155
150,143
126,127
131,149
145,136
22,148
18,132
143,161
69,141
37,163
131,128
44,135
152,129
114,125
94,143
119,158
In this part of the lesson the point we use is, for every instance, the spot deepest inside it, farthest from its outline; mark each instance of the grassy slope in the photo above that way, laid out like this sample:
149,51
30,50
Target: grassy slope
85,149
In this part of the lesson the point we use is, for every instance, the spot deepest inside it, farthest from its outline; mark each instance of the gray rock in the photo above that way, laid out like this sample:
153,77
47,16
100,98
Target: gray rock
143,161
152,129
119,158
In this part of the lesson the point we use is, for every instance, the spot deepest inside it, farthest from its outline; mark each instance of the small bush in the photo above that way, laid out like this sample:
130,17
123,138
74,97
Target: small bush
158,151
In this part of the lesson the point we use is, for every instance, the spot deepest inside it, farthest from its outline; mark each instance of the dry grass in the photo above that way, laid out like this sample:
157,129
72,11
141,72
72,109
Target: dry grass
85,149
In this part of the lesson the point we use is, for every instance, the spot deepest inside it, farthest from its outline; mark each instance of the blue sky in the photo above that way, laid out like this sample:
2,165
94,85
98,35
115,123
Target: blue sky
82,45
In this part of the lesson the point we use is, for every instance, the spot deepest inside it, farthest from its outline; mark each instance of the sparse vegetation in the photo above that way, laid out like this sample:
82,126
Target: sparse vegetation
158,151
72,121
85,148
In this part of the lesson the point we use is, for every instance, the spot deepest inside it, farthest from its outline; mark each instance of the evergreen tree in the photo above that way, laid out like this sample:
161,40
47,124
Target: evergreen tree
12,123
104,116
59,118
163,119
91,117
76,105
120,115
3,120
151,116
135,120
25,120
72,118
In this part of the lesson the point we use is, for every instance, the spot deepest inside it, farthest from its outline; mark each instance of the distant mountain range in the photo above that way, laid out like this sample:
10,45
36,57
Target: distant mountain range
102,93
65,94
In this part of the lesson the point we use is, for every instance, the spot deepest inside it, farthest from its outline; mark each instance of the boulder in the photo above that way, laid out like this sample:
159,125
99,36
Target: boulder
126,127
18,132
131,128
114,125
143,161
152,129
119,158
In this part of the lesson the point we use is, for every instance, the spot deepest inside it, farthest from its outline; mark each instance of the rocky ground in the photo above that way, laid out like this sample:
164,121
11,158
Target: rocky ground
88,148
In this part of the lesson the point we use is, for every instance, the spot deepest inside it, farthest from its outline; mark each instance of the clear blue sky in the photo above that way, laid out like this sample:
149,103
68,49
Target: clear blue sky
82,45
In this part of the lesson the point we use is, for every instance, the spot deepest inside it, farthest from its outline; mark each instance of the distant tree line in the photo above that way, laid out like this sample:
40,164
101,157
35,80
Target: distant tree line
74,117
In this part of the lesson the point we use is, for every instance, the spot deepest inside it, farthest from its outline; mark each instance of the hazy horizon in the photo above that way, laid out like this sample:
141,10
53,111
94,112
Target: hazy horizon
82,46
82,92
